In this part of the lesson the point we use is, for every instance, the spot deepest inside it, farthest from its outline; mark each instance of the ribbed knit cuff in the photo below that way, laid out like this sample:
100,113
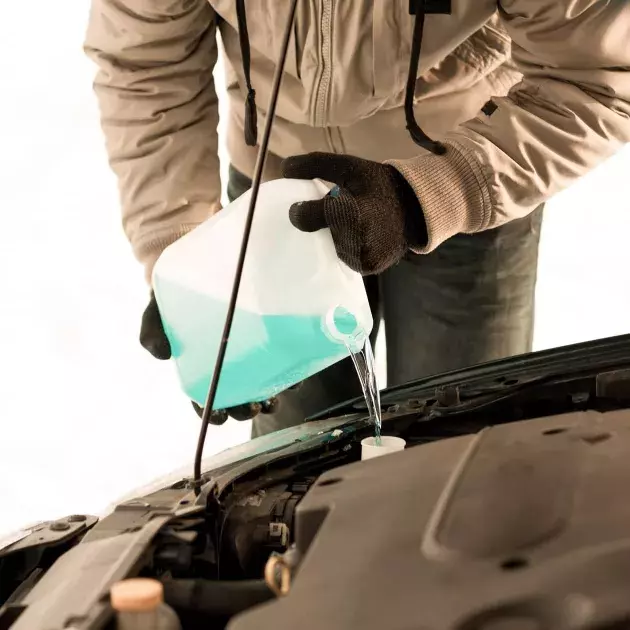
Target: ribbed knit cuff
452,191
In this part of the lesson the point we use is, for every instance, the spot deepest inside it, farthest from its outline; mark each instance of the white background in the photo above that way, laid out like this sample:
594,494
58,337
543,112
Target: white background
85,413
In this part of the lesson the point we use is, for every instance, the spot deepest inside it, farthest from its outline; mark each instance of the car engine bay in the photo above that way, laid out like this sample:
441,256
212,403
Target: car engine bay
505,510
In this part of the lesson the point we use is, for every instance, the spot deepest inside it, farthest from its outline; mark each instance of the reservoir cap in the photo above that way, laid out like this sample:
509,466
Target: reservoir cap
136,595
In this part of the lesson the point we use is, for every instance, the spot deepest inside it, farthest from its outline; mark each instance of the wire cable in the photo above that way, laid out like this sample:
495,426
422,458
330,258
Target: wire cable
416,133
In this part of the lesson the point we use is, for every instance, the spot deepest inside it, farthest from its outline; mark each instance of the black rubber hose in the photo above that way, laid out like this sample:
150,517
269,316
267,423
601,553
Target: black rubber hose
216,598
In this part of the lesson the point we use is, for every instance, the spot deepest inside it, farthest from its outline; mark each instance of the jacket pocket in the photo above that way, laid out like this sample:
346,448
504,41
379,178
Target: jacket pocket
474,60
441,69
485,50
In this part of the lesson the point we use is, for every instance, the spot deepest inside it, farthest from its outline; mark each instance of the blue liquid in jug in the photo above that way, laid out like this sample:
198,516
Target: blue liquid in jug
266,354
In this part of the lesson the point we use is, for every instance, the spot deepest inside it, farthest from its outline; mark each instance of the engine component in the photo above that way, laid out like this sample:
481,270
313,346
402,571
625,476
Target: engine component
279,570
214,598
517,526
257,525
139,605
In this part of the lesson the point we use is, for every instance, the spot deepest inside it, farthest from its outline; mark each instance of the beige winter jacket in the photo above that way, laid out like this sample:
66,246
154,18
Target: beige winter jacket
559,71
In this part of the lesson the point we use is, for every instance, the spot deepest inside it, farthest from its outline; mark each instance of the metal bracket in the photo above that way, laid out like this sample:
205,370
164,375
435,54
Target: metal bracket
49,533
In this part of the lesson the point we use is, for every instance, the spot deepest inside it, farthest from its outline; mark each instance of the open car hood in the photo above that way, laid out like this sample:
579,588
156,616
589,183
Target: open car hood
507,506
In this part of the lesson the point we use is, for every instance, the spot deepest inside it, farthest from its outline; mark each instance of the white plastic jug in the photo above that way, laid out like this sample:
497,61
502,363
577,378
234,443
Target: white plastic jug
298,304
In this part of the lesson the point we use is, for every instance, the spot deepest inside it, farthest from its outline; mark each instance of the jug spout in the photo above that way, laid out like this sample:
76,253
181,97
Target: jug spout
342,326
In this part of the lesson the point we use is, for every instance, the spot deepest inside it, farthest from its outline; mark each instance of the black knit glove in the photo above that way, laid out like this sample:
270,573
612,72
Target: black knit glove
154,340
374,219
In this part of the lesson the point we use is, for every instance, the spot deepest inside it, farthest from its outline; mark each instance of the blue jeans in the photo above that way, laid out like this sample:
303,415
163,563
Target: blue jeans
469,301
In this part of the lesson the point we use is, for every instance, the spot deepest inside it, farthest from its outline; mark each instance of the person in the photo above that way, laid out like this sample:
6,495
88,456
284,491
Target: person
525,96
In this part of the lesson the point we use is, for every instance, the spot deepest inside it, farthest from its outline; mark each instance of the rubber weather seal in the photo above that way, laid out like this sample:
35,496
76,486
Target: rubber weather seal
258,173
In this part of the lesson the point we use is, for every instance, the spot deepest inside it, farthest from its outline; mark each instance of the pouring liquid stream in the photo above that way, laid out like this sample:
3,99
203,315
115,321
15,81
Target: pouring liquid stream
364,364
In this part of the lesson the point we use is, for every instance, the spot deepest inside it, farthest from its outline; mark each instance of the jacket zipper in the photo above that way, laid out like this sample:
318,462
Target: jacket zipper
326,51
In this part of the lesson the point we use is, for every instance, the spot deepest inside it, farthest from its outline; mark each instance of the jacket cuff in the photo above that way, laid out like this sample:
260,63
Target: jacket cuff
149,252
452,191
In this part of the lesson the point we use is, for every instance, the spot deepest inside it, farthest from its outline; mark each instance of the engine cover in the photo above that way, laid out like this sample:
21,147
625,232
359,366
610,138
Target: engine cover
523,526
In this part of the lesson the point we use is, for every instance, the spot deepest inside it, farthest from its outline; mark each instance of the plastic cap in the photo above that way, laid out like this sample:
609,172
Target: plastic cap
136,595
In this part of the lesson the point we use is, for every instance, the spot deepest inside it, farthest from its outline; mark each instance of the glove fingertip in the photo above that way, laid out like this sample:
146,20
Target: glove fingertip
217,417
198,408
160,349
291,167
308,216
247,411
157,347
295,215
152,336
307,166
